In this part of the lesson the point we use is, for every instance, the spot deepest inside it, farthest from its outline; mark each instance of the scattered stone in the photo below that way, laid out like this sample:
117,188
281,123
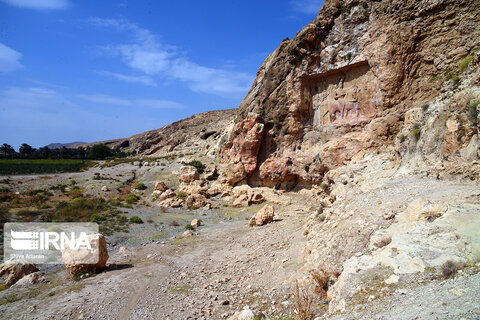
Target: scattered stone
392,279
105,189
188,174
264,216
196,201
32,278
241,201
196,223
13,270
160,186
378,241
187,233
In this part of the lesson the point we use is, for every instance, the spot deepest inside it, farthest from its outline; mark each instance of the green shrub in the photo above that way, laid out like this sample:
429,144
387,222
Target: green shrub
425,107
473,110
197,164
97,218
416,133
122,219
189,227
51,294
182,195
140,186
132,198
324,186
80,209
402,137
136,219
115,202
463,64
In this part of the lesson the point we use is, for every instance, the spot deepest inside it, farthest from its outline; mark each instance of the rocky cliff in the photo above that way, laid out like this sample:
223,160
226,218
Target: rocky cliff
186,135
363,75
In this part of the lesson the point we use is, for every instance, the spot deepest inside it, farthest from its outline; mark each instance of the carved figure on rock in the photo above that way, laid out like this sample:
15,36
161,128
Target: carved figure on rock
351,104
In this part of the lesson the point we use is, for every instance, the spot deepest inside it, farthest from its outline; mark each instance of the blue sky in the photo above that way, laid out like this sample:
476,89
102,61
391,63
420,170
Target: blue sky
96,70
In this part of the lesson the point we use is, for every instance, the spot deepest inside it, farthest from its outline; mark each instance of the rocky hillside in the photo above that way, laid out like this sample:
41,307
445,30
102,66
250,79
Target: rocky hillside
364,75
193,132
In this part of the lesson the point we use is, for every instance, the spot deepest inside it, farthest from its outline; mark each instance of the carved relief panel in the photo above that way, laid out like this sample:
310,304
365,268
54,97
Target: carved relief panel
344,96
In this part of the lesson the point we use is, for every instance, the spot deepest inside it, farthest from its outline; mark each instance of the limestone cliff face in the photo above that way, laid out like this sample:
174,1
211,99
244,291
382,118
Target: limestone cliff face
345,84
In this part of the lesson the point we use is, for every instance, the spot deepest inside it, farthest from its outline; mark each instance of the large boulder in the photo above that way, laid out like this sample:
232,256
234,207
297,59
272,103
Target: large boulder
32,278
197,186
13,270
264,216
188,174
172,202
167,194
84,260
160,186
196,201
241,201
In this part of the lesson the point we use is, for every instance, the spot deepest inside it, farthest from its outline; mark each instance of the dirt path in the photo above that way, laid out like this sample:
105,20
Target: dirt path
208,276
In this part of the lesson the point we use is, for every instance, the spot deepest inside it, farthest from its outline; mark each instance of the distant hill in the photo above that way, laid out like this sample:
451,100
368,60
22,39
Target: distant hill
61,145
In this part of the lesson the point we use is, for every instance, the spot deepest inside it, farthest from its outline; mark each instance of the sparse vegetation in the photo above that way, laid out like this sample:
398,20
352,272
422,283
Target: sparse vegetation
198,165
402,137
416,132
348,57
302,304
449,269
97,218
140,186
473,110
9,299
182,195
174,224
29,166
425,107
322,282
131,198
136,219
189,227
83,275
464,62
344,11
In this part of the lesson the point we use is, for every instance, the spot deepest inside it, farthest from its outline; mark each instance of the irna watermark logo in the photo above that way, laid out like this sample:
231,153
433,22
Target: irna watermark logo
41,243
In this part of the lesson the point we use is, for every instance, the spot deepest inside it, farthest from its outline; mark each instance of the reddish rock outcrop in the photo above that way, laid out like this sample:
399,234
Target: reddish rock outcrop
345,84
242,151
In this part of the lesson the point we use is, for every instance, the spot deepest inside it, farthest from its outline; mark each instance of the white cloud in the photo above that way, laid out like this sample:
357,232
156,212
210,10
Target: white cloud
147,54
39,4
307,6
148,81
9,59
152,103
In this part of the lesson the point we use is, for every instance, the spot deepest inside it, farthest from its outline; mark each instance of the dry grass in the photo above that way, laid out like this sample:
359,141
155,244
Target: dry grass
302,304
449,269
322,281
